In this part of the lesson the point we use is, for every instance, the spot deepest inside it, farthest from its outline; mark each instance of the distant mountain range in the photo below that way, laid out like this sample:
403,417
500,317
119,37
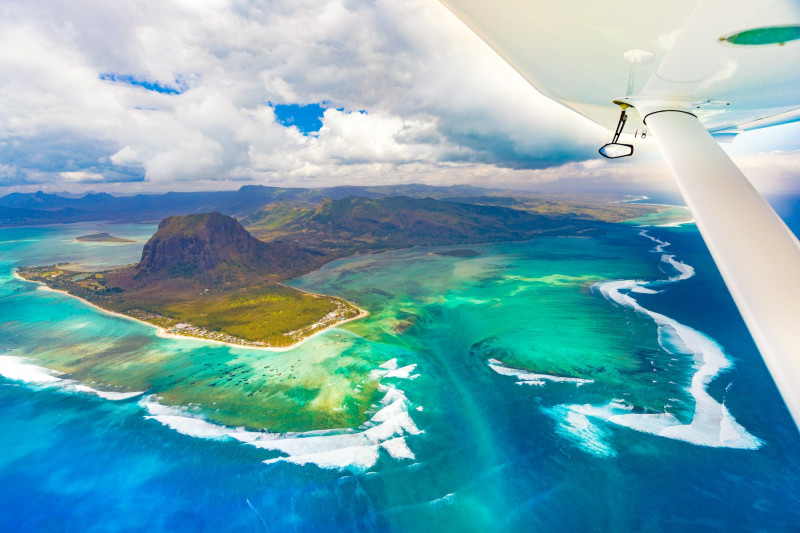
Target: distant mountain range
44,208
355,224
18,209
216,248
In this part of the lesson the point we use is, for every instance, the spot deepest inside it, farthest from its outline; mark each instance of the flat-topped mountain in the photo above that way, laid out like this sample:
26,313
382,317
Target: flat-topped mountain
212,243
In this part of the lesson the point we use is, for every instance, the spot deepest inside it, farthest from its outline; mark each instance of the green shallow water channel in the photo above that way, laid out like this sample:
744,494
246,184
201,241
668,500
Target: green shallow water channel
529,305
445,439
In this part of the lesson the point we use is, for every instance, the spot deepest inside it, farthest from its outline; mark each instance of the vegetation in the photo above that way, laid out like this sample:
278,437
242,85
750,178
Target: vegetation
584,207
338,228
261,315
102,237
205,276
275,206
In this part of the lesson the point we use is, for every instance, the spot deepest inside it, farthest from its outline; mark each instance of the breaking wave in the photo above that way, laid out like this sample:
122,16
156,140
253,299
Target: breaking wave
21,369
711,424
357,449
340,449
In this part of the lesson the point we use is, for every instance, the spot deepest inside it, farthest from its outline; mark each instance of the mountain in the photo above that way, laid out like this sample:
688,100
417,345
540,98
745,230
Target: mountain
340,227
19,216
43,208
215,247
205,276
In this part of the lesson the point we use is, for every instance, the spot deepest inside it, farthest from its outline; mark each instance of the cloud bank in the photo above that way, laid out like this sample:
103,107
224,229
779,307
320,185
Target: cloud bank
182,94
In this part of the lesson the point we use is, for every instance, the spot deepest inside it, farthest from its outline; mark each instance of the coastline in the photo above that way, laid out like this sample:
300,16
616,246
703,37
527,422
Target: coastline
124,242
163,333
665,207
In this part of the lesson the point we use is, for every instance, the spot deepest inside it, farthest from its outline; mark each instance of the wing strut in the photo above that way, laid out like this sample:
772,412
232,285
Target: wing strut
758,256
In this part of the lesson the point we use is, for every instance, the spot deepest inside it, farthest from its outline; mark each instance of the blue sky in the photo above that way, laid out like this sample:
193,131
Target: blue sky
213,94
306,118
130,79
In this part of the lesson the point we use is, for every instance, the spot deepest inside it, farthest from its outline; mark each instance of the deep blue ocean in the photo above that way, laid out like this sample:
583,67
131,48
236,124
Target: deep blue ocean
530,399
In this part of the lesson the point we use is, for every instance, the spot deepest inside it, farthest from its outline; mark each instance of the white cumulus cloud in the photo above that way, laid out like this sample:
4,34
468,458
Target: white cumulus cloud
160,94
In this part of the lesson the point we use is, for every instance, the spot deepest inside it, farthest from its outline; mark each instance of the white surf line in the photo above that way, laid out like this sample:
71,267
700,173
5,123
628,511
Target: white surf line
358,449
676,224
712,424
526,377
660,244
21,369
337,449
629,200
389,370
684,271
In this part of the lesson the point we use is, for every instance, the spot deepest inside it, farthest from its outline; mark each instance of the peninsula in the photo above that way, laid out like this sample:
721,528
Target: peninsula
205,276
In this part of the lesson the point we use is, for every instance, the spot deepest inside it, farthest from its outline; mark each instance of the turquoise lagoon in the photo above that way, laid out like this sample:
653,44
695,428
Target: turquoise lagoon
564,384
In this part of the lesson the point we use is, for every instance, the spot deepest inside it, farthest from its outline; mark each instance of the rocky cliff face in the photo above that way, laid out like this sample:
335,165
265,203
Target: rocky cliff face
212,244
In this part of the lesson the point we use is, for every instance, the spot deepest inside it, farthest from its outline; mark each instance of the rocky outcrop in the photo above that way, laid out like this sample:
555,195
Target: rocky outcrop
212,244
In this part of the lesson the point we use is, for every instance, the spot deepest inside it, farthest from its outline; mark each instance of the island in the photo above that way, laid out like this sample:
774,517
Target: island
225,279
103,238
461,252
206,276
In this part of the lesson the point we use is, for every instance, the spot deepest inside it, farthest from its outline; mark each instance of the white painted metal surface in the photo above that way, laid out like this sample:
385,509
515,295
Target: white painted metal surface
580,52
757,255
671,55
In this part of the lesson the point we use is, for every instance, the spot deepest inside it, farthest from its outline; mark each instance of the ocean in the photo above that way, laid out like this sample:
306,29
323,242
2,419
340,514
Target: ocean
561,384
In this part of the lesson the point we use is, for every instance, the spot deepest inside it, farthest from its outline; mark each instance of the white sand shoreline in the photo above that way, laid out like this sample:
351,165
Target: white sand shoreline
163,333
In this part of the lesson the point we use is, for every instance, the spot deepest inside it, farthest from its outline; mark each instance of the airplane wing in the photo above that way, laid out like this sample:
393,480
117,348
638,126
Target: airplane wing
691,69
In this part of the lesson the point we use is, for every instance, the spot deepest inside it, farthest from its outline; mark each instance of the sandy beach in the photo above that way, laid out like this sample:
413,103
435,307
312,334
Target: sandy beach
161,332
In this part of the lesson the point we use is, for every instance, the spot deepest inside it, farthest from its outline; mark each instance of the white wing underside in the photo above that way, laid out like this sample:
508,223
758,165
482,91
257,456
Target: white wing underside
669,60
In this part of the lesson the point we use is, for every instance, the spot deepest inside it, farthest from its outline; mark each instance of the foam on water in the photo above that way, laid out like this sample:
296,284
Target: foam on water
526,377
389,365
389,369
712,424
351,449
398,448
660,245
20,369
574,424
402,373
356,457
677,224
684,271
358,450
447,499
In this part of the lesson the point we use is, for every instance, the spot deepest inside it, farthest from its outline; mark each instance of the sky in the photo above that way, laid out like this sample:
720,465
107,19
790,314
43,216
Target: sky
157,95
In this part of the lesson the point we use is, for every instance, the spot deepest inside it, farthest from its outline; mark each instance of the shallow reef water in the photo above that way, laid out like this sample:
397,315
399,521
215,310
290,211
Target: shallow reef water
561,384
